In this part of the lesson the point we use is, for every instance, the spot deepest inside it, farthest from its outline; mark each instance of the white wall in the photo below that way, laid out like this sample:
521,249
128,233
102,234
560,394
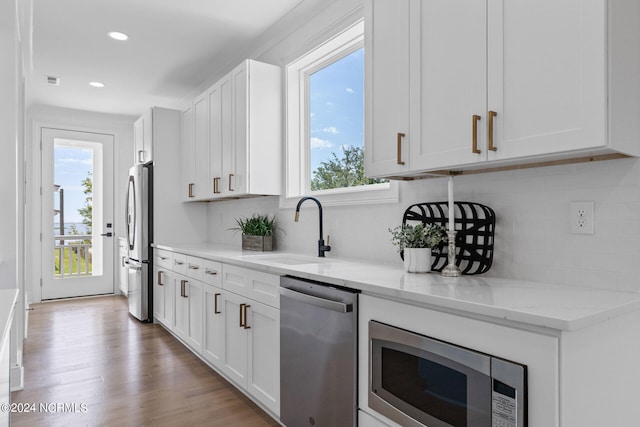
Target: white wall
532,205
532,227
119,126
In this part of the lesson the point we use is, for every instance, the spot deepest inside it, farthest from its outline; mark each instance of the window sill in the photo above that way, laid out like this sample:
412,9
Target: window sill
377,193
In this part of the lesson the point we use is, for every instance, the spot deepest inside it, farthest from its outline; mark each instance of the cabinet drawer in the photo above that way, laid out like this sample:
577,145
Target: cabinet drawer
179,263
195,268
212,273
164,259
259,286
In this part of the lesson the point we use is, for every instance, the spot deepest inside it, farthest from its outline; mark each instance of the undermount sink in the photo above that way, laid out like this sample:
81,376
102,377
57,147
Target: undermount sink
287,259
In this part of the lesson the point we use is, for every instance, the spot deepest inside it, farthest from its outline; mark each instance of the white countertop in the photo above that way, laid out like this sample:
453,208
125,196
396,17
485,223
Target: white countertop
531,303
8,298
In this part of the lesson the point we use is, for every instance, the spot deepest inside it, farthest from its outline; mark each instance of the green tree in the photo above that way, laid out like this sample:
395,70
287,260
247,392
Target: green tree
86,212
345,171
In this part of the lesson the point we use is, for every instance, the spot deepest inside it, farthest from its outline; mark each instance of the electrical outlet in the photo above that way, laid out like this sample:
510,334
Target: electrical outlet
581,216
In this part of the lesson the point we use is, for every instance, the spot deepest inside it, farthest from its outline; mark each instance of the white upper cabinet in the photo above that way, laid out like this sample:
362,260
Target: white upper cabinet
459,84
143,137
237,142
188,161
387,137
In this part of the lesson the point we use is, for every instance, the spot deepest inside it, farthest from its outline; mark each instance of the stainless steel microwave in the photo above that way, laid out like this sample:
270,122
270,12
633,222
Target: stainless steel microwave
419,381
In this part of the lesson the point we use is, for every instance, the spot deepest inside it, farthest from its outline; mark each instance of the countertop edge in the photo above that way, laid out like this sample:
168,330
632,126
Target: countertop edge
236,257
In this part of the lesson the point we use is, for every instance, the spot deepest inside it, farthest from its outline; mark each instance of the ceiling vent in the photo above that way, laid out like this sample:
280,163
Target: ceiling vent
52,80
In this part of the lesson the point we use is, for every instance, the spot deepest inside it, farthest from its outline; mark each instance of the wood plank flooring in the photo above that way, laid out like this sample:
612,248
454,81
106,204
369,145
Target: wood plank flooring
118,371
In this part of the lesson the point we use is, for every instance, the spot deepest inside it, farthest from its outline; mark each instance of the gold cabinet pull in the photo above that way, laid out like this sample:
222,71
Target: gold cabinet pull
216,185
191,190
400,136
215,304
246,325
474,134
160,278
230,176
240,311
490,145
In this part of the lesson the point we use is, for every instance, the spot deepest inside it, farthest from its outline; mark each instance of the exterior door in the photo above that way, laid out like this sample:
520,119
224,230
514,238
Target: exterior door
77,213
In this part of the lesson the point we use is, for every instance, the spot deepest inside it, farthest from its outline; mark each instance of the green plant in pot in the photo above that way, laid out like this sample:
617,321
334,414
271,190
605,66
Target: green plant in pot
257,232
417,242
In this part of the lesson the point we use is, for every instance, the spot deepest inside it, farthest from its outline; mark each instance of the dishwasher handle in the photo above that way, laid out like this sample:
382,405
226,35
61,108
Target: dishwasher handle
328,304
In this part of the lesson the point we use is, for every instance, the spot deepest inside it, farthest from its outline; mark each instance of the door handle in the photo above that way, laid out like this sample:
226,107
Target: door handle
240,312
400,136
109,234
230,176
215,304
474,134
246,326
490,145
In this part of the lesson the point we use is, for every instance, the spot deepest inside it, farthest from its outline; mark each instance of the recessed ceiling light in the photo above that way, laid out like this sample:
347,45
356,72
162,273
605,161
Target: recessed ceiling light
118,36
96,84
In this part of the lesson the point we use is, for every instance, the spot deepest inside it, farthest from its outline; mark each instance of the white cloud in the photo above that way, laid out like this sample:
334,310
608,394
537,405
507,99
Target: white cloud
331,129
349,90
72,161
317,143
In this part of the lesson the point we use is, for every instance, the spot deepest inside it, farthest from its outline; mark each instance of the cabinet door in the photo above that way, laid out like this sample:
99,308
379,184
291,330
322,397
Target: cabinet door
215,140
193,295
138,140
387,137
448,83
188,166
143,137
124,274
263,376
238,169
235,339
169,298
181,306
547,76
202,189
160,280
213,338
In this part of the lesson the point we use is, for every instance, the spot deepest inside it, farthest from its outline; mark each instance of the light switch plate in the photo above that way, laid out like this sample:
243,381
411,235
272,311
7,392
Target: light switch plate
582,217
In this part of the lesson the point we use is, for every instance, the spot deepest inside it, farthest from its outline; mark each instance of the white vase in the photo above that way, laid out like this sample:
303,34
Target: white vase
417,260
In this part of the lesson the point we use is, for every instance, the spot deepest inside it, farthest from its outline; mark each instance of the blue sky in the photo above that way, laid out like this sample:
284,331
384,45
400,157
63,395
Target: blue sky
71,167
336,106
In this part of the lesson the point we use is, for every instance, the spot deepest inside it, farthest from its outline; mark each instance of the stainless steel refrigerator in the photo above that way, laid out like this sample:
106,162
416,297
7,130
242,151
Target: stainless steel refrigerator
139,214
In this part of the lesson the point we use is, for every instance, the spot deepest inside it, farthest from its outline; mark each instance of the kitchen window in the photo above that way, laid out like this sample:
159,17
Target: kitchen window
325,125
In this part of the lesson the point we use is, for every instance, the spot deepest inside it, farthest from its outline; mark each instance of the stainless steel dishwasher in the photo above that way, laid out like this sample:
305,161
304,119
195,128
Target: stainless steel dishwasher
318,354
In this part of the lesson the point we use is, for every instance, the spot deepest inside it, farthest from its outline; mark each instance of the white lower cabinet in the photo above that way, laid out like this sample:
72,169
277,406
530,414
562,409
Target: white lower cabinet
213,339
251,354
123,272
163,296
187,321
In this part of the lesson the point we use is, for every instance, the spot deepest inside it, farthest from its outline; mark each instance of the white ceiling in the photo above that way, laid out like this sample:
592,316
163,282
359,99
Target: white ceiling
173,47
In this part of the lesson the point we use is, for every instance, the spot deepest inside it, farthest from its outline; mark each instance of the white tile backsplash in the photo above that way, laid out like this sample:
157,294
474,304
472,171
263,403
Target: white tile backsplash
532,228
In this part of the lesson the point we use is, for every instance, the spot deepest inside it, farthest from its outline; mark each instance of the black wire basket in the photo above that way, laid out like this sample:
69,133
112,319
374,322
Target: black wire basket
475,225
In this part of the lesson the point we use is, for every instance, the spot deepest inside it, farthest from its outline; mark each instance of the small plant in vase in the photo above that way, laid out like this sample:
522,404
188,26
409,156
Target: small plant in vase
257,232
417,242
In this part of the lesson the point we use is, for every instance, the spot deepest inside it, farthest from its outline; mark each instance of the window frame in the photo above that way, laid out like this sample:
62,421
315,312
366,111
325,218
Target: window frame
297,147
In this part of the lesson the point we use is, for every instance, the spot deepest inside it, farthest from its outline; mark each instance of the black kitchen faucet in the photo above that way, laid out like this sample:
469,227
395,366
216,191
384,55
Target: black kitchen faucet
322,248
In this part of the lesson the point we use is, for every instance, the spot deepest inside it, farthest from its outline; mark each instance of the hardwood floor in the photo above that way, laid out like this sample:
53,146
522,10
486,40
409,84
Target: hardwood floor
118,371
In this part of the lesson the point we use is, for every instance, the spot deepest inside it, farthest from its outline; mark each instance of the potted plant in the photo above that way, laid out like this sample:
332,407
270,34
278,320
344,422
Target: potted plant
417,242
257,232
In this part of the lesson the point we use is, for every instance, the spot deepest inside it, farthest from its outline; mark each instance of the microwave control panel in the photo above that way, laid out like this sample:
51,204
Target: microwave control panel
504,407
